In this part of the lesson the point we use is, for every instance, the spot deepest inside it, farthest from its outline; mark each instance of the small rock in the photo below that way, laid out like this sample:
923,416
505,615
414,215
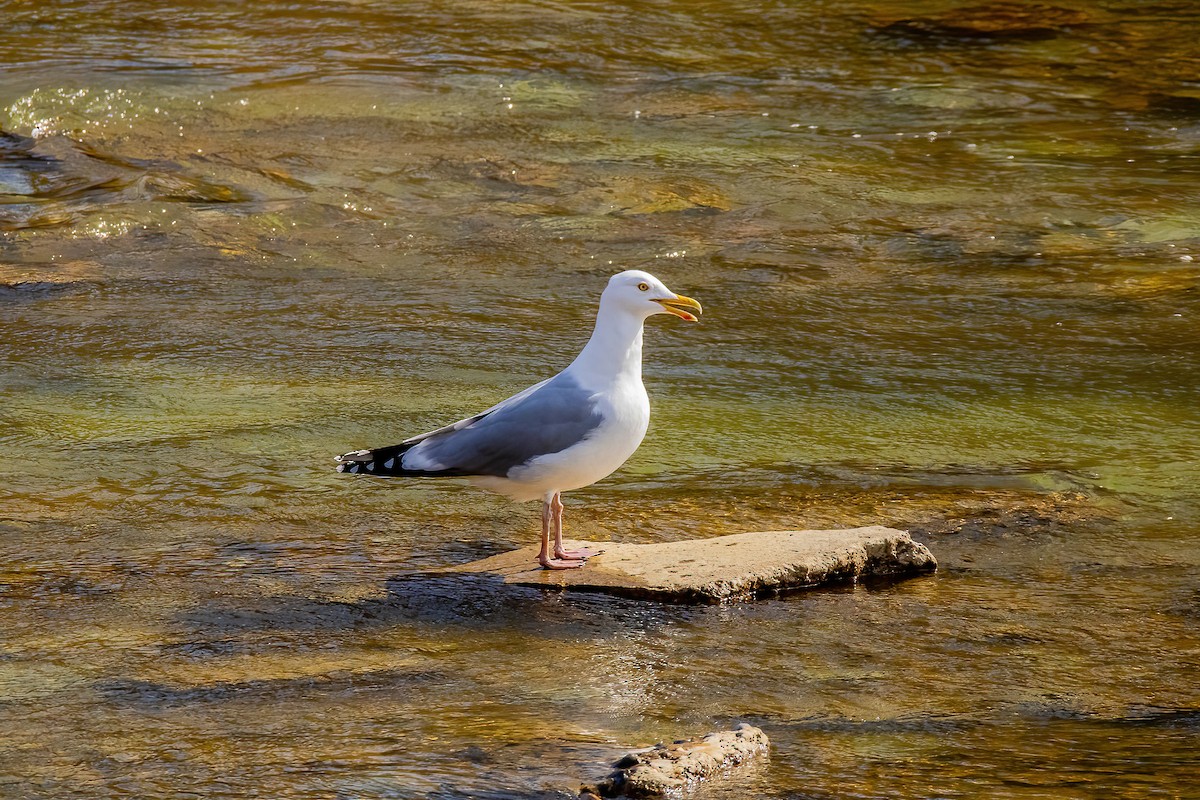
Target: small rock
669,768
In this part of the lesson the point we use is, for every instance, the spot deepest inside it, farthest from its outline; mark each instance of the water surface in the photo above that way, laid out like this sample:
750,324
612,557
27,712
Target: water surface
949,262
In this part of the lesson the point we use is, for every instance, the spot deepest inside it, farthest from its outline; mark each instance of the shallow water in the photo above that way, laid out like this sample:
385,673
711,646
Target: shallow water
950,279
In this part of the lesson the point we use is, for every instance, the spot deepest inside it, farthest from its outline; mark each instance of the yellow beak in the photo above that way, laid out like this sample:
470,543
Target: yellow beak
677,305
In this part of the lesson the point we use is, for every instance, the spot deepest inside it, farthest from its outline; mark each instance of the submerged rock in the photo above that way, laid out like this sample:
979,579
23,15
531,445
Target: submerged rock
1000,20
670,768
734,567
626,195
36,280
1176,104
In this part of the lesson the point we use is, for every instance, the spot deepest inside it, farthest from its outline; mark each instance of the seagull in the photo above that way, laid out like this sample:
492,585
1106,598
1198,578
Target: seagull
564,433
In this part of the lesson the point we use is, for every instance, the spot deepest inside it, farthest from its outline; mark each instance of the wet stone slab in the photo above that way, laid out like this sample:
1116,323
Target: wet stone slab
734,567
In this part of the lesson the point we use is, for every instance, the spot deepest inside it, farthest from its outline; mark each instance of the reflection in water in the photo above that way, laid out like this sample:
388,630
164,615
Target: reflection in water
950,258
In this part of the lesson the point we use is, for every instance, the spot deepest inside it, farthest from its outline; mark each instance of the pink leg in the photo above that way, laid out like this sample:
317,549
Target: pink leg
582,553
559,561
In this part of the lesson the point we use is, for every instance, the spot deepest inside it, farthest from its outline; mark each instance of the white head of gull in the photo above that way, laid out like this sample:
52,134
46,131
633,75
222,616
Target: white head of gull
561,434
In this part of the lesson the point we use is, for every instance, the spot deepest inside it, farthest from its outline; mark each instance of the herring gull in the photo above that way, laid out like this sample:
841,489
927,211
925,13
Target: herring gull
561,434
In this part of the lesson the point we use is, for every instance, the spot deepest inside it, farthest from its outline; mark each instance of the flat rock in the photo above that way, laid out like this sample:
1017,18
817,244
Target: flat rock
669,768
734,567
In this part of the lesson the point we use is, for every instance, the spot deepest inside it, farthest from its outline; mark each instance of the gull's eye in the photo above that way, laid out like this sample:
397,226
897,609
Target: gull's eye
643,287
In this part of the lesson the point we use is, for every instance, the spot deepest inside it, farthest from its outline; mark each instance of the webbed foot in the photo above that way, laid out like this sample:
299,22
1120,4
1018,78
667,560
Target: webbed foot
582,553
562,563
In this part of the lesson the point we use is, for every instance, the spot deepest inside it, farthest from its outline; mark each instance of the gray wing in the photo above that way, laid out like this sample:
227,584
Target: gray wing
546,418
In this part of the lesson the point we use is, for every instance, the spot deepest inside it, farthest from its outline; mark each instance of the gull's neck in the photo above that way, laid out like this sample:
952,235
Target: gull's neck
615,350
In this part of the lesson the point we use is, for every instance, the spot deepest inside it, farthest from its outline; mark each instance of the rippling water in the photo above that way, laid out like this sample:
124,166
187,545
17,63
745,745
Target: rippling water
949,259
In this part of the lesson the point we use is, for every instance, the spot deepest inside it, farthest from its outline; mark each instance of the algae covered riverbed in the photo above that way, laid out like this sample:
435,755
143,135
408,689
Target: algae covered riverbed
949,256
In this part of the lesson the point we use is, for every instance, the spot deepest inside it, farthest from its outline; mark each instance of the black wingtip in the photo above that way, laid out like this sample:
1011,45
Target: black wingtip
386,462
356,456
